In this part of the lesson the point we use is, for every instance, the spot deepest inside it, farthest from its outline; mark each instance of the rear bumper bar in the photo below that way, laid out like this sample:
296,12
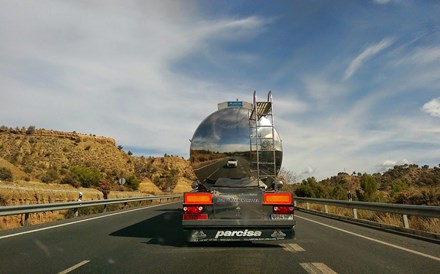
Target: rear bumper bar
221,230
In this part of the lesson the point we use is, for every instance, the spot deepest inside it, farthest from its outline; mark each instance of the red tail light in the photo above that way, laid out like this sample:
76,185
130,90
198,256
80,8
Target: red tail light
283,209
192,209
194,213
194,204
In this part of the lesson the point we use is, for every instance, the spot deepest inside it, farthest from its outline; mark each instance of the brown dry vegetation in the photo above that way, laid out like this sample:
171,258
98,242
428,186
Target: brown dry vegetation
418,223
41,163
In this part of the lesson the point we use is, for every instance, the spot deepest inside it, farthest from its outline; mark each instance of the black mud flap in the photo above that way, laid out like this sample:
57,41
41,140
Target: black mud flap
238,234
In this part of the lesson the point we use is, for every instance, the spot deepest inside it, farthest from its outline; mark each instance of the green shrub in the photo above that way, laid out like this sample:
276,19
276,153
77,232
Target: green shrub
87,176
5,174
132,183
50,176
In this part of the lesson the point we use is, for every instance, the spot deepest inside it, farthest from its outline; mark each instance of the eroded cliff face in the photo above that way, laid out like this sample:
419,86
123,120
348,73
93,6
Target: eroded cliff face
24,193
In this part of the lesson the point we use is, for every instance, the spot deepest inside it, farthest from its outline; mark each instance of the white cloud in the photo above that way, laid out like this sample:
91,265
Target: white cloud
365,55
107,68
387,164
432,107
383,2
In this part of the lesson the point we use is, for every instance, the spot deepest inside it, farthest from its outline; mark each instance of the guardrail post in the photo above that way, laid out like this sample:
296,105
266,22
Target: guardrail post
355,213
75,212
26,219
326,209
294,203
307,205
105,209
405,221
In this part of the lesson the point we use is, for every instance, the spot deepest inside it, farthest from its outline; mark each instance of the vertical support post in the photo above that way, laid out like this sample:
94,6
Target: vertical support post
26,219
405,221
307,205
294,203
355,213
326,209
105,209
75,212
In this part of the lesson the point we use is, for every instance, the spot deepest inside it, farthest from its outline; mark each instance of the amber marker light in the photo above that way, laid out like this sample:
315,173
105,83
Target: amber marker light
277,198
197,198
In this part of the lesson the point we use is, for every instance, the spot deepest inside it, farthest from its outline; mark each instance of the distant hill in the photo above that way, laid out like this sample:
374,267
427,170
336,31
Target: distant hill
404,184
68,157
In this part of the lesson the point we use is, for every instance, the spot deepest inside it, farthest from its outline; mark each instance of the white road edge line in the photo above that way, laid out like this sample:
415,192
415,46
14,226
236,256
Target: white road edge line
374,240
78,265
79,221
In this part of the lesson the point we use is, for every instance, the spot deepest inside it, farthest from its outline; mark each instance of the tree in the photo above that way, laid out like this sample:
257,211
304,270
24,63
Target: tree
104,186
30,130
398,186
286,176
368,185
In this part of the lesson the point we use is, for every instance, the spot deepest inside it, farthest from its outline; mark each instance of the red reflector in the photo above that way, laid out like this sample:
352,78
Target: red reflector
283,209
197,198
195,216
277,198
192,209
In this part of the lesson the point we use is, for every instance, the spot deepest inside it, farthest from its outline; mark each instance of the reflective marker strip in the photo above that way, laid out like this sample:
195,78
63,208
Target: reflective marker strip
374,240
198,198
70,269
278,198
315,268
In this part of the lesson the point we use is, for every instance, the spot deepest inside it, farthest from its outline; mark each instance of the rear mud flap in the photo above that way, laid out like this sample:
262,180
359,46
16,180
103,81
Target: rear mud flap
237,234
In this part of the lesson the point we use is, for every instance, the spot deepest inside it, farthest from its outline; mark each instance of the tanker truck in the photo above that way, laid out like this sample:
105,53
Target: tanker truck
236,154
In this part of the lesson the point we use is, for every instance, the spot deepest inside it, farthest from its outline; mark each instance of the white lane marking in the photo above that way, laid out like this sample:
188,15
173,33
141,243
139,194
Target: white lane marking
78,265
79,221
317,268
292,248
374,240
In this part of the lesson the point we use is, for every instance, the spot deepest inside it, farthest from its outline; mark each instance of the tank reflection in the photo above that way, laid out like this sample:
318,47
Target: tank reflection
228,135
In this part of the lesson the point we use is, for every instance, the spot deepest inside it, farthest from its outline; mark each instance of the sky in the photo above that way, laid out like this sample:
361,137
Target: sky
355,84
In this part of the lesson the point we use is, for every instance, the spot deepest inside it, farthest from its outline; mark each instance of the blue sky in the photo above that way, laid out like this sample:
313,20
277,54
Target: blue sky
356,84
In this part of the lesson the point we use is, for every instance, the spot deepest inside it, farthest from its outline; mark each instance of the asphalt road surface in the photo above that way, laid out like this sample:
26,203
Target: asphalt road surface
219,169
149,240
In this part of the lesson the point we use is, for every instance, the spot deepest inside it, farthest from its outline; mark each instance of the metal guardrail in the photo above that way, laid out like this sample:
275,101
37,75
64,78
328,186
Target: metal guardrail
35,208
404,210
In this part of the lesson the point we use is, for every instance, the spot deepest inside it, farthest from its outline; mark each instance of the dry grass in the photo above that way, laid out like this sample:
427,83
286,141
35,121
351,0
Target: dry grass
431,225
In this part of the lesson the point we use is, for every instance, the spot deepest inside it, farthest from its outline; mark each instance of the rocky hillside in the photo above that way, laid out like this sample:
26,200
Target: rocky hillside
404,184
82,160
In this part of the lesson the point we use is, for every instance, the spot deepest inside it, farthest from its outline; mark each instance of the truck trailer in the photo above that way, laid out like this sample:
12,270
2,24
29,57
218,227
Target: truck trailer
236,154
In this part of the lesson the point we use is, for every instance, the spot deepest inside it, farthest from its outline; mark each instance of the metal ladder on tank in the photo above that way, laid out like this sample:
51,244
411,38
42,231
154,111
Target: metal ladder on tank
262,148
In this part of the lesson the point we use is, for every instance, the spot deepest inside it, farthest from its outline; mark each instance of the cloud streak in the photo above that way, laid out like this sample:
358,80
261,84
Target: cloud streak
366,55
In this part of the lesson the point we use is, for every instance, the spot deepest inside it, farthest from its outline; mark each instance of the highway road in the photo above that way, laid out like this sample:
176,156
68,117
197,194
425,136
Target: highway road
149,240
218,169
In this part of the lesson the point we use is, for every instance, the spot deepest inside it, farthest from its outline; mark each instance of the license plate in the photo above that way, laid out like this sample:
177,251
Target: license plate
281,216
